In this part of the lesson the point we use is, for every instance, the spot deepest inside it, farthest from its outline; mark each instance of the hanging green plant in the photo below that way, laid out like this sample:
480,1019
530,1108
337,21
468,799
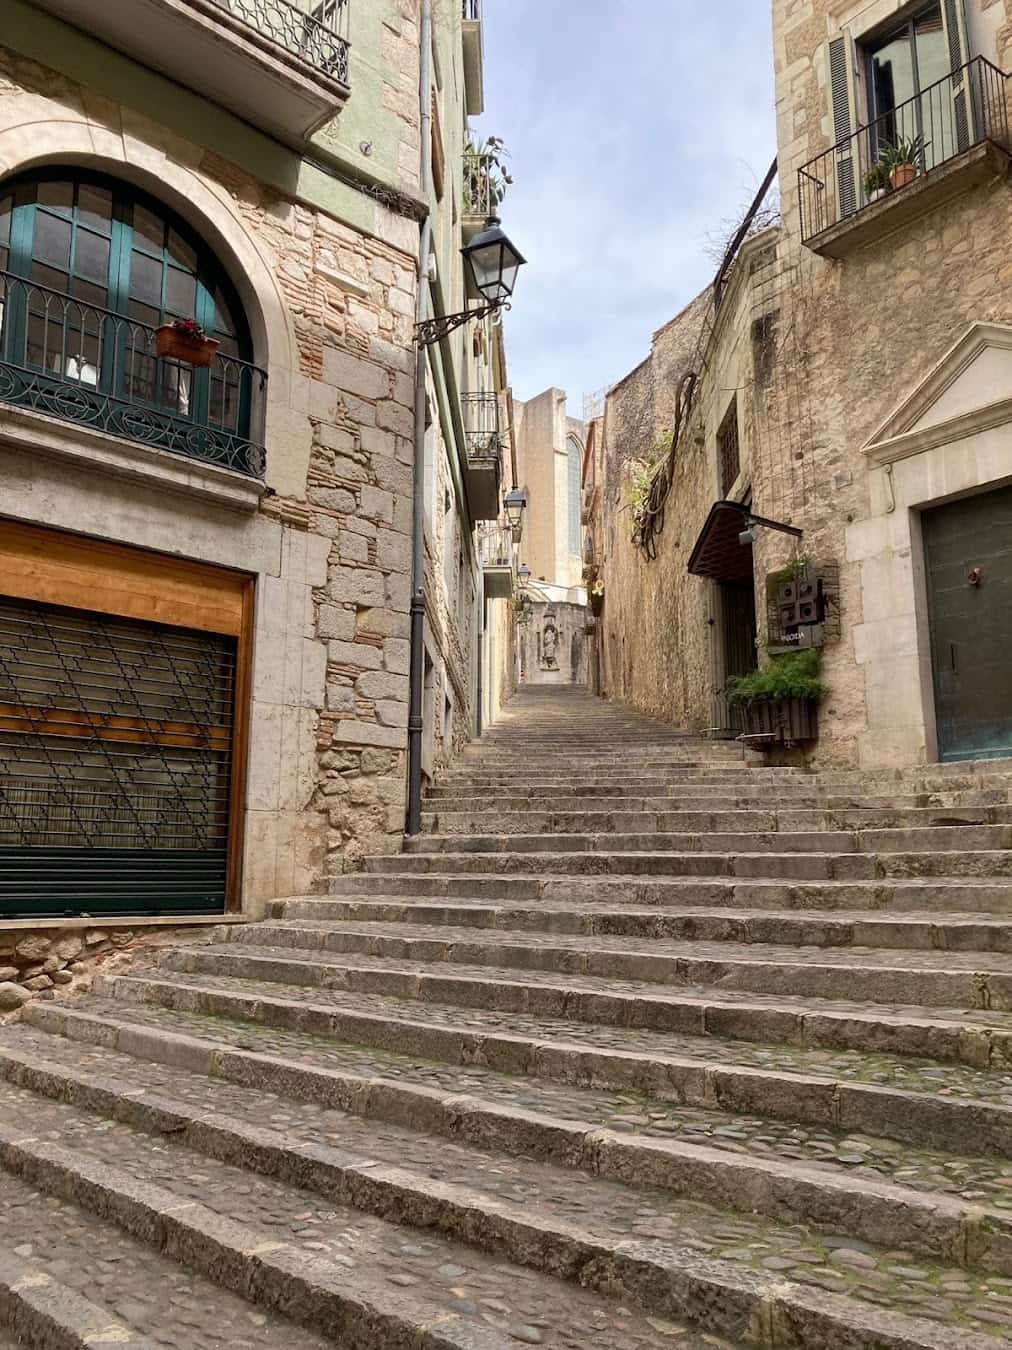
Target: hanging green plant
792,675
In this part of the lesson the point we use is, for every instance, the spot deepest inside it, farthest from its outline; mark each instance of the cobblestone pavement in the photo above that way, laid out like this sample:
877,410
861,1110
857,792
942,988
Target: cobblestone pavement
150,1293
985,1180
912,1075
151,1177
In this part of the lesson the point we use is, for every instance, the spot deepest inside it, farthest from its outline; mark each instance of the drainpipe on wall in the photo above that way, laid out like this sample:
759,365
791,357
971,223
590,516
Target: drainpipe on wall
413,823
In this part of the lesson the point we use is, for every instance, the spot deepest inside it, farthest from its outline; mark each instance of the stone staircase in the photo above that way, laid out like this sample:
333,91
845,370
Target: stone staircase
640,1045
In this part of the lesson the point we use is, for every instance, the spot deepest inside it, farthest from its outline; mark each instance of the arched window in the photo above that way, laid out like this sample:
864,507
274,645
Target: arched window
575,467
89,269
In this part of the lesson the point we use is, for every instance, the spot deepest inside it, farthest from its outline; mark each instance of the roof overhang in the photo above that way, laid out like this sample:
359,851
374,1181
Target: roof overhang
718,553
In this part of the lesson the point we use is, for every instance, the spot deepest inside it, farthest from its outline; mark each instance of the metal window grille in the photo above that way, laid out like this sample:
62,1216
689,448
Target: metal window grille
115,764
729,450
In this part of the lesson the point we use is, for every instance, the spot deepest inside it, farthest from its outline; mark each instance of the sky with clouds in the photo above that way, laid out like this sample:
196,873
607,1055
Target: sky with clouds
635,127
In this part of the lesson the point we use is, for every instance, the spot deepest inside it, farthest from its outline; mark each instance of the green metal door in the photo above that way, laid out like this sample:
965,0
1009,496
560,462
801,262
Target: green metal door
968,561
116,743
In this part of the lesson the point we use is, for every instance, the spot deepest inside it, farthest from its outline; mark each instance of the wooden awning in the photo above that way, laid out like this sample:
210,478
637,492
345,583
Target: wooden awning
717,552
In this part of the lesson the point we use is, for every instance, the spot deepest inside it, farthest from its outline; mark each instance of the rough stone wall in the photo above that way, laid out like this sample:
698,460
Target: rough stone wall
330,650
652,632
846,342
554,647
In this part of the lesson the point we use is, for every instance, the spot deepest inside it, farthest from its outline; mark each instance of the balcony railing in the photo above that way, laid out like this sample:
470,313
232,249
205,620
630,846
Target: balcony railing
483,186
84,364
482,429
318,33
962,110
495,545
472,11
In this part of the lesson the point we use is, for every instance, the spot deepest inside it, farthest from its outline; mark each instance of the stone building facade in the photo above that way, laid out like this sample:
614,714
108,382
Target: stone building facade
241,529
852,377
550,447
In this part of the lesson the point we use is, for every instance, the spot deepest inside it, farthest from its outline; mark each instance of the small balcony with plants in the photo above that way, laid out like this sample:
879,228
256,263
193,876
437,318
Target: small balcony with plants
282,65
486,180
950,137
496,556
483,438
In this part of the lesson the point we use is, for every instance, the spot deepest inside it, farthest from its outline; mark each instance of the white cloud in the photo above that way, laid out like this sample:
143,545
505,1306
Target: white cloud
636,127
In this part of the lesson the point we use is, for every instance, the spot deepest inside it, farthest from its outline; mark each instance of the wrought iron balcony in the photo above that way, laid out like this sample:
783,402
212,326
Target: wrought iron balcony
484,190
496,556
954,133
279,64
484,441
84,364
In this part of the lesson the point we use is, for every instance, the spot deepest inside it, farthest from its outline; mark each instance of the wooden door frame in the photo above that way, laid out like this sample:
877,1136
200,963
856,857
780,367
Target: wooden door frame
57,567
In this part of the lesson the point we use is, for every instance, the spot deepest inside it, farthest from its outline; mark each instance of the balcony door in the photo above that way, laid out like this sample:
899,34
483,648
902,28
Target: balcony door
909,94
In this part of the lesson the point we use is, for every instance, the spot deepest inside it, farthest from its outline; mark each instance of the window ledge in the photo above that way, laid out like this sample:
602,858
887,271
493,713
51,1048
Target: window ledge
98,452
980,164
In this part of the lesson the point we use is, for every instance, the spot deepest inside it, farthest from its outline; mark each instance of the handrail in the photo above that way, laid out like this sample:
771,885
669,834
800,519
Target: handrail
961,110
84,363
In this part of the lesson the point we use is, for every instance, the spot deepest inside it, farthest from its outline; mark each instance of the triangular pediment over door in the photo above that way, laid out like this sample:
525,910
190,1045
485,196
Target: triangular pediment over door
969,390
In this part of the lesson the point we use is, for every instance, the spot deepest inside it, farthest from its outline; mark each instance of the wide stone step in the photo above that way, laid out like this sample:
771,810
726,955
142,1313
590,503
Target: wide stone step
948,895
70,1281
769,1002
525,1117
810,866
964,980
929,839
913,932
505,820
504,1203
301,1229
719,799
938,1106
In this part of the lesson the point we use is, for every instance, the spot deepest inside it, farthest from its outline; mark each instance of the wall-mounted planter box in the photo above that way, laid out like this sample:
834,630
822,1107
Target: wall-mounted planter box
785,721
195,351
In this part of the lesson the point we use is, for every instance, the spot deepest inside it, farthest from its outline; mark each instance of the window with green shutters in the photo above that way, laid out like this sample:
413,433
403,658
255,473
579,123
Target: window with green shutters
89,268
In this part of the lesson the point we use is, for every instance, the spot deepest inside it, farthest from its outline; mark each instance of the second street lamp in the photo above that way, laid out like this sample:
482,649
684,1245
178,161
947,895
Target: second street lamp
515,504
493,263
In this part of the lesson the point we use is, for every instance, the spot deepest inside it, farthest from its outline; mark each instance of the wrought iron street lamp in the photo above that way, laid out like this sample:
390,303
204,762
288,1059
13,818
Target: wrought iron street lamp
515,503
493,263
523,576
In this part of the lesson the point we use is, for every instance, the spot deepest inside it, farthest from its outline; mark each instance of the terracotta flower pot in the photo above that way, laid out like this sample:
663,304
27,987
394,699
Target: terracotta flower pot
195,351
902,174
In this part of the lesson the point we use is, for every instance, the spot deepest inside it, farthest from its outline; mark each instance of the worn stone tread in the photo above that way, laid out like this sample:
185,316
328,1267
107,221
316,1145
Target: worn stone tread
840,928
151,1298
603,1210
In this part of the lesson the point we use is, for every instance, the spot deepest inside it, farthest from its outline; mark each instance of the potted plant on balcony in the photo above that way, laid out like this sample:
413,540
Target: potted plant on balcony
876,181
486,175
185,340
780,700
903,158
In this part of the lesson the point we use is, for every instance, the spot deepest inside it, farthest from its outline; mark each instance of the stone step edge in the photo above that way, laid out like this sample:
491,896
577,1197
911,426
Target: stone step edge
318,1294
46,1315
938,1226
656,1008
913,1117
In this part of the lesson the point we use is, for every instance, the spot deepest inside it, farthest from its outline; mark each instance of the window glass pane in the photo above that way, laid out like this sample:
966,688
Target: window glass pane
90,293
51,243
58,195
181,252
149,230
146,279
180,293
223,321
91,256
49,276
145,314
94,207
5,220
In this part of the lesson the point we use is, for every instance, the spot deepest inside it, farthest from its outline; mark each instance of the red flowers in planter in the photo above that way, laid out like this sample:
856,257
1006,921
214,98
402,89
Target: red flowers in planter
185,340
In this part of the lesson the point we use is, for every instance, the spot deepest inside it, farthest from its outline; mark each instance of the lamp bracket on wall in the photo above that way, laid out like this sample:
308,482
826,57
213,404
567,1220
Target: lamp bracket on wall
430,331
